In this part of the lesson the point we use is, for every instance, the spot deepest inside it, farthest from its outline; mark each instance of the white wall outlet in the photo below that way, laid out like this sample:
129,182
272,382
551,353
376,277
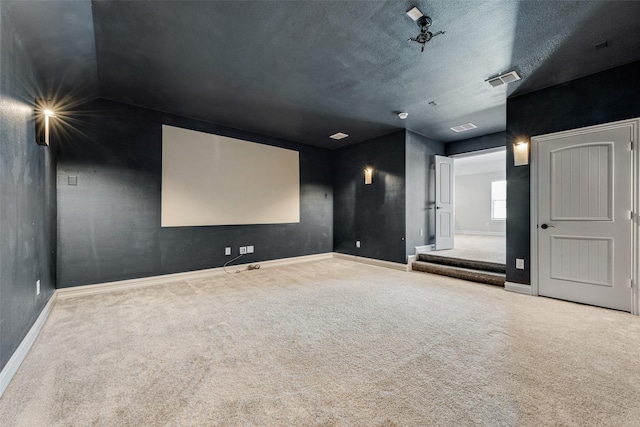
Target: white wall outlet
243,250
38,287
519,263
250,249
227,251
357,243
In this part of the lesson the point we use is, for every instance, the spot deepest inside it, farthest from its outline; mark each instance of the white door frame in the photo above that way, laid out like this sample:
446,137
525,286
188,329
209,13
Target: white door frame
635,201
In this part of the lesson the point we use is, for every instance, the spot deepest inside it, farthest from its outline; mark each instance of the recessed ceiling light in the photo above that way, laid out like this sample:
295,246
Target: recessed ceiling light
505,78
403,115
464,127
338,136
414,13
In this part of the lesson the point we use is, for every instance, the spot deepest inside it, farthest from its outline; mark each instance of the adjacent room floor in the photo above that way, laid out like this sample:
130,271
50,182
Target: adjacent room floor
477,248
328,343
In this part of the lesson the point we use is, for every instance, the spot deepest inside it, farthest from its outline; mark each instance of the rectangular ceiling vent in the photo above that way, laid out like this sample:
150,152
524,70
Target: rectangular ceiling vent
464,127
502,79
338,136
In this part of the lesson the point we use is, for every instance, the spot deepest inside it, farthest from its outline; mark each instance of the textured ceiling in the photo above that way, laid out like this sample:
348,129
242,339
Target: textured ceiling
305,70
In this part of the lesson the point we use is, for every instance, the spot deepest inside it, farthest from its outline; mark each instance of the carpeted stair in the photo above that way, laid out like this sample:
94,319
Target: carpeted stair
476,271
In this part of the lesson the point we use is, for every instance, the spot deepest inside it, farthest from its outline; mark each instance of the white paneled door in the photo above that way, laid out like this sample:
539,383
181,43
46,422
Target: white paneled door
444,203
584,215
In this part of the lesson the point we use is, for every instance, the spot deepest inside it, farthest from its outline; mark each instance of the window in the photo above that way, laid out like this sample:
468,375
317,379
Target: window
498,200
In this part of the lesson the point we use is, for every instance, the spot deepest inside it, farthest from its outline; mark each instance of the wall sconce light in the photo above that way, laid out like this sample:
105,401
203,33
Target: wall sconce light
43,115
368,175
521,153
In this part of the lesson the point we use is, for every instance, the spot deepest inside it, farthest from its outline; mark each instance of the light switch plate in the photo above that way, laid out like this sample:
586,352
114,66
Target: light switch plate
519,264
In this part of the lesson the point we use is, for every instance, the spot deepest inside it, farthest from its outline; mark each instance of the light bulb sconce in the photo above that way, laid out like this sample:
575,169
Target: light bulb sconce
521,153
368,176
43,114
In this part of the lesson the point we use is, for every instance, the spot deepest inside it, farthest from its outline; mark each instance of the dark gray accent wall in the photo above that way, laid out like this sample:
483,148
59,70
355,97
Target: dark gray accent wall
375,213
493,140
27,197
600,98
109,222
420,189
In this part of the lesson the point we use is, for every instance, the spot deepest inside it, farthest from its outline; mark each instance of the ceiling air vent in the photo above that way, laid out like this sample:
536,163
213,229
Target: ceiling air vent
464,127
509,77
338,136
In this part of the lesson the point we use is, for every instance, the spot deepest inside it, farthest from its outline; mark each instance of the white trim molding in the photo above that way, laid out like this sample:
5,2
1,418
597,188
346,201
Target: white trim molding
84,290
410,260
21,352
518,288
424,249
484,233
372,261
120,285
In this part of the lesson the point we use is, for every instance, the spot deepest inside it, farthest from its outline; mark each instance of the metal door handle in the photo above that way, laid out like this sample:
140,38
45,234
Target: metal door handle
438,207
545,226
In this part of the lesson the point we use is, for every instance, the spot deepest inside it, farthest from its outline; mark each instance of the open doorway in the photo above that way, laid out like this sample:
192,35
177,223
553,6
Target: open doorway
480,200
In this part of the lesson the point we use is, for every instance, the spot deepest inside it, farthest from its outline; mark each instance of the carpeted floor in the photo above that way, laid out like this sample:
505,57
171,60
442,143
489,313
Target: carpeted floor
329,343
477,248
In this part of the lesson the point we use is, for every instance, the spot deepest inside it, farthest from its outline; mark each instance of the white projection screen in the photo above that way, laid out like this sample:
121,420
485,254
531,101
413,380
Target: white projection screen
215,180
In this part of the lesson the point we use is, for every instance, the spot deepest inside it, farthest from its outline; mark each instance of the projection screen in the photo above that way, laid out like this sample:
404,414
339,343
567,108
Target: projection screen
215,180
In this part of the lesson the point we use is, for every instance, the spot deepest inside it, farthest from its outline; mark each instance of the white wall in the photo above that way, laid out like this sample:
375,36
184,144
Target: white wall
473,177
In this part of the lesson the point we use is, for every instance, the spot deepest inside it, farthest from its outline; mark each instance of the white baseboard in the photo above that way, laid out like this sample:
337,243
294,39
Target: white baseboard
425,248
410,260
482,233
84,290
21,352
371,261
517,287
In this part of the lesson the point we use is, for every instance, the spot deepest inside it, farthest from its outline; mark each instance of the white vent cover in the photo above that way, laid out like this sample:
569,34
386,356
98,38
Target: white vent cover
338,136
464,127
509,77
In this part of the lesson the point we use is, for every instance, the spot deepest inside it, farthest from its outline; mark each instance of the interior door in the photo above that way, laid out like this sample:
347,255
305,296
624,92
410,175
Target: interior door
444,203
584,216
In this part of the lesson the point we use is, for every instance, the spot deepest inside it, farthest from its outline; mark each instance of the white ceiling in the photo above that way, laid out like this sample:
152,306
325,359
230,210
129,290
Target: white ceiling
486,162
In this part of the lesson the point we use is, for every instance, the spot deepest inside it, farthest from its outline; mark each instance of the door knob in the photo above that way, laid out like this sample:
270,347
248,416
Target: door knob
438,207
545,226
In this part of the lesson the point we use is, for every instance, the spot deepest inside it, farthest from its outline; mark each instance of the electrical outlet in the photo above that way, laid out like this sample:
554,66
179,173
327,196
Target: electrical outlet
357,243
519,263
243,250
227,251
250,249
38,287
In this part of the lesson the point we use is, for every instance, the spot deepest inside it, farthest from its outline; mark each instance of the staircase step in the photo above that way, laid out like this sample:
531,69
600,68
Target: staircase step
464,263
490,278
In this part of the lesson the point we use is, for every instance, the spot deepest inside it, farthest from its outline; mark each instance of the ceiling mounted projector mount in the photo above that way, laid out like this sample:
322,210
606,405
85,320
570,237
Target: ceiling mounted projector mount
424,22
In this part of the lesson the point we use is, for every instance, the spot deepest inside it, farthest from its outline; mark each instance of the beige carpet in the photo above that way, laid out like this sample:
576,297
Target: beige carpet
477,248
330,343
